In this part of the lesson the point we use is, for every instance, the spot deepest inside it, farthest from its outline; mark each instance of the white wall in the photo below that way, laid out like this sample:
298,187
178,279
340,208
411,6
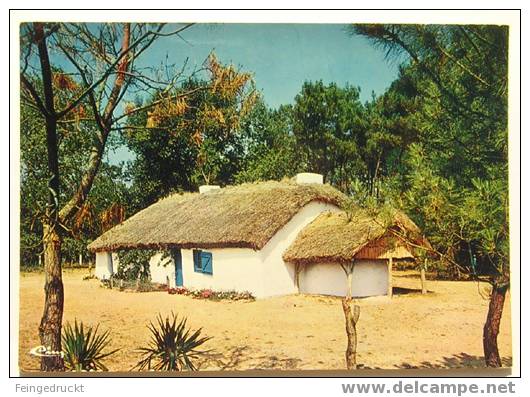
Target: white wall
106,264
278,276
237,269
104,268
161,269
263,273
370,278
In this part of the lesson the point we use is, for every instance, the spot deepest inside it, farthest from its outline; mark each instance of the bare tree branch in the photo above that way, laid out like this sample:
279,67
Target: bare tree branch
157,102
38,101
112,67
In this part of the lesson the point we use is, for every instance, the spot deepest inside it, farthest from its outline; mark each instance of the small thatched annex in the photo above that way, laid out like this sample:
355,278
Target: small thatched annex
256,238
370,242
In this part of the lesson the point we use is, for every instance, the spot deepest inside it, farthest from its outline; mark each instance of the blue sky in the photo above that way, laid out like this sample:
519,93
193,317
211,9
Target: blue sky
280,57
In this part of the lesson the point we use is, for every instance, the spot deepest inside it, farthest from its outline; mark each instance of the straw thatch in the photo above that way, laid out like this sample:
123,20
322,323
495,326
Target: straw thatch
245,216
334,237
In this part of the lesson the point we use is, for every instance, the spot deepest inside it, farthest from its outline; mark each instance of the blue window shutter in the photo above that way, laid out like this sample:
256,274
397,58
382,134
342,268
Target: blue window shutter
197,260
206,262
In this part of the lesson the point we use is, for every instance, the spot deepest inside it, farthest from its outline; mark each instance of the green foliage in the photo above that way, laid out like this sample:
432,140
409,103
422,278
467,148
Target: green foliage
194,141
270,147
454,181
84,347
75,149
134,264
329,129
30,249
173,347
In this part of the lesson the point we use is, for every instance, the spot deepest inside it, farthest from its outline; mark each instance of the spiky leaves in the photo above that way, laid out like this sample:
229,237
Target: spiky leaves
84,347
173,346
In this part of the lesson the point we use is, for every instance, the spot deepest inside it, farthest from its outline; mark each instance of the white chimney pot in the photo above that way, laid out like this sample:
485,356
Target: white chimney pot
309,177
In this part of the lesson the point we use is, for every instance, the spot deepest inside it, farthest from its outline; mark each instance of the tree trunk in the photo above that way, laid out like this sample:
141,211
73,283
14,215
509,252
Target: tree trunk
492,326
422,277
50,326
351,314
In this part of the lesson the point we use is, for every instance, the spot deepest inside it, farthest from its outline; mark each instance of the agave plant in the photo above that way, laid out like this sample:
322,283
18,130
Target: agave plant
84,346
172,347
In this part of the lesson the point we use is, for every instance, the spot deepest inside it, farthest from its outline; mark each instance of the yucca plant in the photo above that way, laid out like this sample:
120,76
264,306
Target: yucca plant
172,347
83,347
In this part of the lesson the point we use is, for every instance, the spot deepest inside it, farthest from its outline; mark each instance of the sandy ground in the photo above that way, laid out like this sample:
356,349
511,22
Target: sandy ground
441,329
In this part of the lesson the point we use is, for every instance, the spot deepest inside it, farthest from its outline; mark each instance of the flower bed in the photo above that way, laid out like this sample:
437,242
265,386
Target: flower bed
211,295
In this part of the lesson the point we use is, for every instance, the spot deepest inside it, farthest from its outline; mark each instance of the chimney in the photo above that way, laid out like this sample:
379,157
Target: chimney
309,177
208,188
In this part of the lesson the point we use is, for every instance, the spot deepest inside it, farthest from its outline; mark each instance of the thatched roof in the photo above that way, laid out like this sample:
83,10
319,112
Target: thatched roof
245,216
332,237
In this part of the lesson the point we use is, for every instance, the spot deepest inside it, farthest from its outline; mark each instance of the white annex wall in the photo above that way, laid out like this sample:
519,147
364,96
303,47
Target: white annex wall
370,278
278,277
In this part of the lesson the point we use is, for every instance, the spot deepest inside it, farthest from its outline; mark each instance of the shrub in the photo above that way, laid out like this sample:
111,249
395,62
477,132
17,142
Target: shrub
173,347
221,295
134,264
83,347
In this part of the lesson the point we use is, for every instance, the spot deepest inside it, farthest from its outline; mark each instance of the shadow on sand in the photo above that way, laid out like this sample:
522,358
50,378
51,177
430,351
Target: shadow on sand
239,356
408,291
460,360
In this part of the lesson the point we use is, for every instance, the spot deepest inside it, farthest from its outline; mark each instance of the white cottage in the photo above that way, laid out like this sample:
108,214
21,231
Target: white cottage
243,238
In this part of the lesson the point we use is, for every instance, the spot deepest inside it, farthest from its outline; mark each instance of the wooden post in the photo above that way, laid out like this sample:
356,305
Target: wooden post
390,286
351,316
350,282
422,278
80,260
